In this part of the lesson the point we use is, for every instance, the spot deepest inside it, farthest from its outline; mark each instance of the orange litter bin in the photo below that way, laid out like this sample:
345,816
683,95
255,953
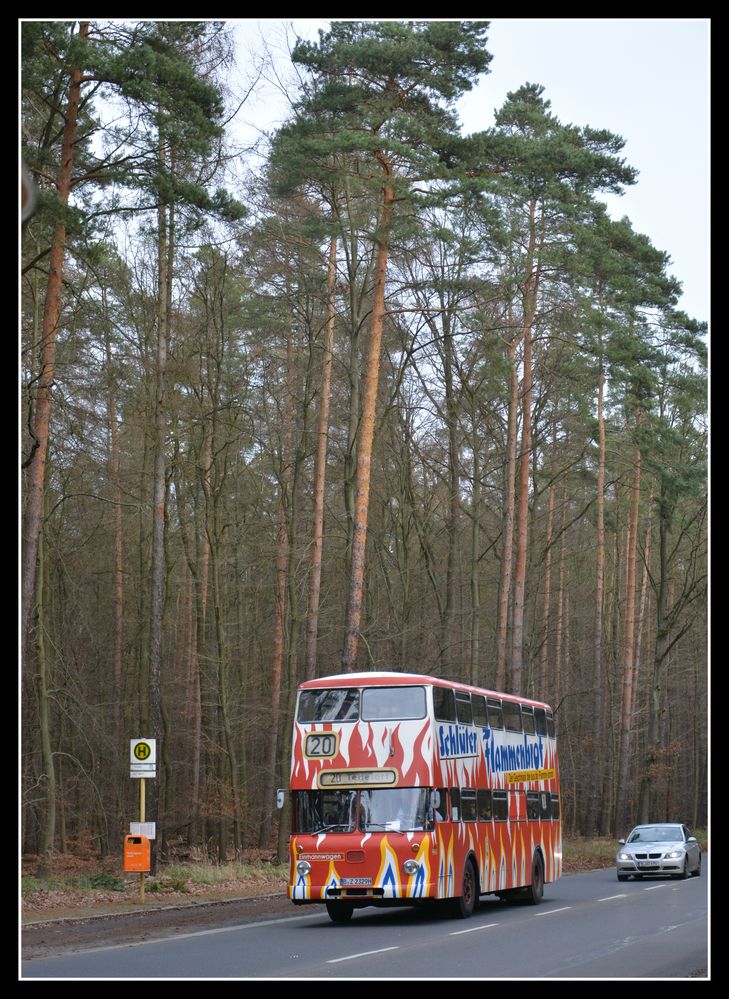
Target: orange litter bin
137,854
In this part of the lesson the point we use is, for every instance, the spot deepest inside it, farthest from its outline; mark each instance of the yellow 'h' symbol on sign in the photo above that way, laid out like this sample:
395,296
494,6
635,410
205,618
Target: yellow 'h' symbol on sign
142,750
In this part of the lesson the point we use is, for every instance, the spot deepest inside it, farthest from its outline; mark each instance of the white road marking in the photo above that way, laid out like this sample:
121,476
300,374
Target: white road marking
609,898
473,929
551,911
365,953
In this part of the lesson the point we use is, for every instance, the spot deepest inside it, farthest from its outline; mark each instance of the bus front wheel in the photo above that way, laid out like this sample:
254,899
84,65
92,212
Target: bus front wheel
339,912
463,906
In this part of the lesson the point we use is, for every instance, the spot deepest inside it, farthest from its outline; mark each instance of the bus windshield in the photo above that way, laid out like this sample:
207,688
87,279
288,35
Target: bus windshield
367,810
339,704
403,808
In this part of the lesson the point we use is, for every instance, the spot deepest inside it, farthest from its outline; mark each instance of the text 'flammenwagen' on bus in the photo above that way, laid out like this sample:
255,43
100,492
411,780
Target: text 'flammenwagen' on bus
409,789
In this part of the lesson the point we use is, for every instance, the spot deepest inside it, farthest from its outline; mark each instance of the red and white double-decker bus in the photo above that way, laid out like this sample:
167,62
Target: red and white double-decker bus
411,788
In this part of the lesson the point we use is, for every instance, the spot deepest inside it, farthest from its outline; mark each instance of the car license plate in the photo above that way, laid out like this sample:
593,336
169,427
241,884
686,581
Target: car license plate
647,865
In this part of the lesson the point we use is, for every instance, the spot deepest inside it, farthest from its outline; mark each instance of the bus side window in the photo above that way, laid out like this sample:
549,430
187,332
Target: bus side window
501,805
545,805
532,803
440,804
444,704
550,725
496,717
455,804
540,718
555,805
527,717
468,804
512,716
463,707
485,813
478,703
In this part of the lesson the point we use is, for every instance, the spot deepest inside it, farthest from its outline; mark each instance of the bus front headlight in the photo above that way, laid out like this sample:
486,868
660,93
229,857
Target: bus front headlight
410,867
303,868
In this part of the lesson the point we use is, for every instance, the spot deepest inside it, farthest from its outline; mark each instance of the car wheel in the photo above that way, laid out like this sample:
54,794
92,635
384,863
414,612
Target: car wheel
697,872
684,873
623,877
463,906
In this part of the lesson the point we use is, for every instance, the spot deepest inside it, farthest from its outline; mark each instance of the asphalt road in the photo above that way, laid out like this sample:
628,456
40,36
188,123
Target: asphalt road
589,926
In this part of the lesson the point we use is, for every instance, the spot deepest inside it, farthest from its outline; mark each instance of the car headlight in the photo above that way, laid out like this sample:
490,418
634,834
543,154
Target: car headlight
674,855
624,856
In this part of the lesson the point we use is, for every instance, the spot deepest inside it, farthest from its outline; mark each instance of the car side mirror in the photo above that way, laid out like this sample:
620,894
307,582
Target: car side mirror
622,842
692,839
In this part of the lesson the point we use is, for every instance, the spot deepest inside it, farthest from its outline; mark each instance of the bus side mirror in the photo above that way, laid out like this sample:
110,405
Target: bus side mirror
280,798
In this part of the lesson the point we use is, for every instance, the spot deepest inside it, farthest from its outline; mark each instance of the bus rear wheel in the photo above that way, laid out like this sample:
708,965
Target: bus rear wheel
535,891
339,912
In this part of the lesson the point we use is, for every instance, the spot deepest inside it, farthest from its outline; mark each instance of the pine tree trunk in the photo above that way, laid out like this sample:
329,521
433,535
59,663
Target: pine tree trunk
531,291
662,645
625,798
547,606
282,584
48,834
522,522
320,470
561,646
365,440
35,483
449,643
118,589
507,553
598,700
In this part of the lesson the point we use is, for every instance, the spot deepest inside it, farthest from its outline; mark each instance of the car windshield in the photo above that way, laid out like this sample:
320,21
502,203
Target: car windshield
655,834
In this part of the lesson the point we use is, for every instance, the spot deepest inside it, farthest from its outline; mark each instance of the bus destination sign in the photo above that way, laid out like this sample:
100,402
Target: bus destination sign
357,778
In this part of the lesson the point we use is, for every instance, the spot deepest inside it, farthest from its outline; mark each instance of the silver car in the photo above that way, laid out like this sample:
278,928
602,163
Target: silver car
661,848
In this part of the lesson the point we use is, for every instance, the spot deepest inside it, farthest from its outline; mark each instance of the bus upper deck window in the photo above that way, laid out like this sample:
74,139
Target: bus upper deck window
464,711
385,703
512,716
444,704
496,716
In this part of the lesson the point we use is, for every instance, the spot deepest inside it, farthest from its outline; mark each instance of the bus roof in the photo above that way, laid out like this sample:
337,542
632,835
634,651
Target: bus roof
386,678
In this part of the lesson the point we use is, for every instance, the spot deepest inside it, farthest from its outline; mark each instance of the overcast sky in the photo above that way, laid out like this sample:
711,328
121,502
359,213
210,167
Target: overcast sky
644,79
